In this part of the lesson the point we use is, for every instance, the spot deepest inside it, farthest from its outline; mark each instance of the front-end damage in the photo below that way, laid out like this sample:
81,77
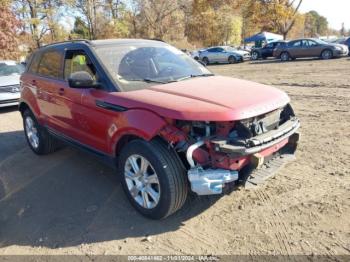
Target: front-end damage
218,153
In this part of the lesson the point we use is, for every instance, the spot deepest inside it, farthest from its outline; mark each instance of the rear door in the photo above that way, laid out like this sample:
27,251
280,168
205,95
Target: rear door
47,81
213,54
222,55
295,49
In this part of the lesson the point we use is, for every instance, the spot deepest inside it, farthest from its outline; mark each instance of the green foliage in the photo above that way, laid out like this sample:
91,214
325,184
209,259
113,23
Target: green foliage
315,24
80,29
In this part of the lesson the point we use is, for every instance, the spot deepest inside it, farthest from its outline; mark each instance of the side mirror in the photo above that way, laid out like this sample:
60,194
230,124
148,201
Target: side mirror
81,79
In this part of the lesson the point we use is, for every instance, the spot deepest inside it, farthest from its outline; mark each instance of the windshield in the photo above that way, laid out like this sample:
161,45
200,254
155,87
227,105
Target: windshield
141,65
11,69
230,49
321,42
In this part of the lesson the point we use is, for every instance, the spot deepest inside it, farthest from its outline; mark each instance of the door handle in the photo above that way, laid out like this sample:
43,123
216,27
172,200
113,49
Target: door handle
61,91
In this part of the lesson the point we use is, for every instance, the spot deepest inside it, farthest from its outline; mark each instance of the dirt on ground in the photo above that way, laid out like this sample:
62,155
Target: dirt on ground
70,203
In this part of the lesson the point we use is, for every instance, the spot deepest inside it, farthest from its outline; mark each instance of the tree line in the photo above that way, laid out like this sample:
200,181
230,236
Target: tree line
184,23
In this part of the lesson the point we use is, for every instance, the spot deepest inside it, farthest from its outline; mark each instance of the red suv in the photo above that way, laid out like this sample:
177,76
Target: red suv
162,119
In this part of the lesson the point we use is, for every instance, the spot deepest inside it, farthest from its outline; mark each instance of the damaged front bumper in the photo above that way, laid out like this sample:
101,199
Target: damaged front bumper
273,148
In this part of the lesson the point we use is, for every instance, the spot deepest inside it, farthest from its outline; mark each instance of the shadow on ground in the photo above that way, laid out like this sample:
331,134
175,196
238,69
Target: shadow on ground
69,198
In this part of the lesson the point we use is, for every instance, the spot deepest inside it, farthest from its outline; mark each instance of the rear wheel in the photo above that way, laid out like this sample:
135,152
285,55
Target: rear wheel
255,55
39,140
285,57
153,178
327,54
232,60
205,60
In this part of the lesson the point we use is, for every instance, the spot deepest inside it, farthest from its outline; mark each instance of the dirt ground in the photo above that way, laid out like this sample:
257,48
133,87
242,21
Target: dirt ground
69,203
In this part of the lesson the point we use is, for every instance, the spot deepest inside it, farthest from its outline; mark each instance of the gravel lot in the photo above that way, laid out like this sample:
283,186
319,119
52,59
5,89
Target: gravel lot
69,203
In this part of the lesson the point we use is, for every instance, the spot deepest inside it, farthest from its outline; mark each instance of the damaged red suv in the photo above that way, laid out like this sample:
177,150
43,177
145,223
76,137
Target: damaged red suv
163,120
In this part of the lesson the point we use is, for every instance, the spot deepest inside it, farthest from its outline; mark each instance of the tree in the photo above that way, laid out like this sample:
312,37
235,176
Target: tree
315,24
9,26
214,22
278,16
80,29
159,17
40,17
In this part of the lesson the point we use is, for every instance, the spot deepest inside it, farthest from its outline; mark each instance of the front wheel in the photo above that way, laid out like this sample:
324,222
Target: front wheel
326,54
255,55
153,178
232,60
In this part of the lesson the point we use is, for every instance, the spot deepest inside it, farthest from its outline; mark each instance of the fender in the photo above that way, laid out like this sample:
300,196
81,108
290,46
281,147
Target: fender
136,122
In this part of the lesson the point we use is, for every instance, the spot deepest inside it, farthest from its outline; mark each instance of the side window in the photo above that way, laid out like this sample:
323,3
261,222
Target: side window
312,43
34,62
220,50
77,60
305,43
269,45
295,44
50,64
212,50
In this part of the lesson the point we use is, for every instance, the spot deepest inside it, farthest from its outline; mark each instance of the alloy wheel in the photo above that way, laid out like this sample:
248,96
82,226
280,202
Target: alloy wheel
142,181
32,132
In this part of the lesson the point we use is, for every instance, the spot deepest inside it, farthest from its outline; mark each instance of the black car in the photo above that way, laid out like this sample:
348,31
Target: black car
265,51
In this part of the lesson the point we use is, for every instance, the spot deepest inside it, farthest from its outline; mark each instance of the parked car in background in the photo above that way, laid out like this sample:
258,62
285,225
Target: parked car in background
10,72
162,119
266,51
223,54
309,47
344,41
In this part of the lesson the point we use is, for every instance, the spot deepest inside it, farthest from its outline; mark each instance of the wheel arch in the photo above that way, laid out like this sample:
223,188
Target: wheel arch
137,124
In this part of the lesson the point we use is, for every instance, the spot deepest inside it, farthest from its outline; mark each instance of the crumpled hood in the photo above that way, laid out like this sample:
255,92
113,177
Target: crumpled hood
9,80
215,98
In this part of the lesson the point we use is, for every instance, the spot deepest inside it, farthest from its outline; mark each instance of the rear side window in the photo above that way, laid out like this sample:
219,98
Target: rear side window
51,64
34,62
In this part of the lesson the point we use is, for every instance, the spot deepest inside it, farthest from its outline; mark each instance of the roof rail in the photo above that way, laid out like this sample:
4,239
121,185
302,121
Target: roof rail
68,41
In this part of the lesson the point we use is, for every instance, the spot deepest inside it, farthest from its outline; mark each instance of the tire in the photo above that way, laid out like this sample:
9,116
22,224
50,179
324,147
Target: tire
285,57
327,54
232,60
205,60
255,55
38,139
171,186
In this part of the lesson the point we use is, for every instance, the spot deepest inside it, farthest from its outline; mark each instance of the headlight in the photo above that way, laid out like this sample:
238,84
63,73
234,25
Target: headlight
338,48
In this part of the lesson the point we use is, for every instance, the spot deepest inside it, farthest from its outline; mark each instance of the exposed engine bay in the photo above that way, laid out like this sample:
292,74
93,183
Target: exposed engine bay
217,152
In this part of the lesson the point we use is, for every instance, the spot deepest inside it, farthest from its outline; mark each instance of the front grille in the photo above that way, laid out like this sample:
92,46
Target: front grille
9,89
8,101
264,123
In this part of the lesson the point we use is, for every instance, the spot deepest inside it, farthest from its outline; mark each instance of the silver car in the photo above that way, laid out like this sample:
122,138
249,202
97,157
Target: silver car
223,54
10,72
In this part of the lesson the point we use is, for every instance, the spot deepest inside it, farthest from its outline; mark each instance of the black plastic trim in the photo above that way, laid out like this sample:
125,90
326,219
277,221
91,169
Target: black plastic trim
109,106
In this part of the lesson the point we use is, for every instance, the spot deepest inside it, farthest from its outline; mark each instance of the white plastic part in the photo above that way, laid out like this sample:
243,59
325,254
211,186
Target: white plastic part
210,181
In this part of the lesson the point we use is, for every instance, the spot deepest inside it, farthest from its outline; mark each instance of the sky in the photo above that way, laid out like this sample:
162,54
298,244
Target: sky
336,11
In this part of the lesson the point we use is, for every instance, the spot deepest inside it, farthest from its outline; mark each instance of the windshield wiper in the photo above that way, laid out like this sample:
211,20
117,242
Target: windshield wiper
147,80
192,76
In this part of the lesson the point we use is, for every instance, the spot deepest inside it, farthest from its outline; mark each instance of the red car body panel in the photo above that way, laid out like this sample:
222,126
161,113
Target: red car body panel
151,112
214,98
